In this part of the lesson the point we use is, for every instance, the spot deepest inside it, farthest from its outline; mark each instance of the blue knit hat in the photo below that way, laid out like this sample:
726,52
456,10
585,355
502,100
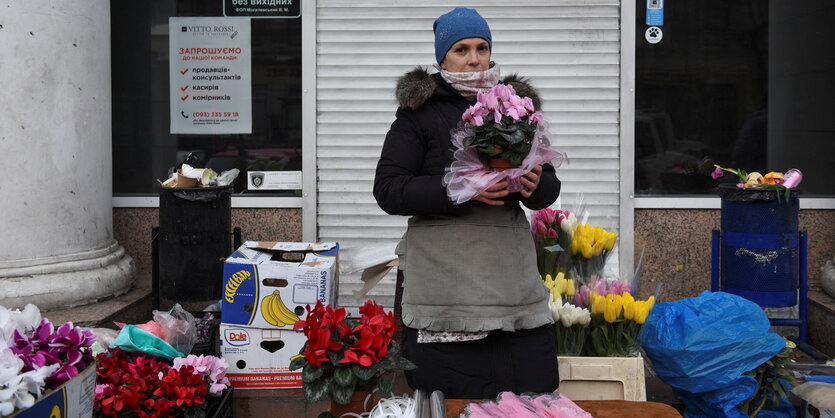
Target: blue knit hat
456,25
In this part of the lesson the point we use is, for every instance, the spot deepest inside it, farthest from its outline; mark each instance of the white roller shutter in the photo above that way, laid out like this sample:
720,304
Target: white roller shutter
570,49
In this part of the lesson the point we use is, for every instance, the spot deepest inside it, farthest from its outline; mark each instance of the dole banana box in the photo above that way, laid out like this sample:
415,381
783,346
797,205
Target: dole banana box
268,284
259,358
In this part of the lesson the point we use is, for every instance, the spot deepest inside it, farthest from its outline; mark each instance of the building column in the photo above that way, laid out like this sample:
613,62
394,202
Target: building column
58,249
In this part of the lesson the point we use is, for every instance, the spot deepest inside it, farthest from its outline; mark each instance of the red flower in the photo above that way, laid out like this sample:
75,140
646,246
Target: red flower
373,334
145,387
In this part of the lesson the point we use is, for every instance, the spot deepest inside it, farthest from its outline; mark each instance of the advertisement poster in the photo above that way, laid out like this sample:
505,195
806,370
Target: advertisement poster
210,75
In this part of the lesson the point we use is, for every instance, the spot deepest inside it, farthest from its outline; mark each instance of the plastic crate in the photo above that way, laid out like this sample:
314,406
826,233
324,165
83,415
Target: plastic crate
602,378
224,409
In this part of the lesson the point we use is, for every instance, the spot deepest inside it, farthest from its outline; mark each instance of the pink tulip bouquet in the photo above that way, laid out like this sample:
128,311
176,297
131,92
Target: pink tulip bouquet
552,231
500,125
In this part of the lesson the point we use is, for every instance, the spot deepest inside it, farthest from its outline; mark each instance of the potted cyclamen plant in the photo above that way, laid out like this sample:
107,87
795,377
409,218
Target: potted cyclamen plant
503,126
347,359
36,358
135,385
500,137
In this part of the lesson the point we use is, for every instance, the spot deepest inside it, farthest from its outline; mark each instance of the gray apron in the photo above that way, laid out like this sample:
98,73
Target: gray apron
472,272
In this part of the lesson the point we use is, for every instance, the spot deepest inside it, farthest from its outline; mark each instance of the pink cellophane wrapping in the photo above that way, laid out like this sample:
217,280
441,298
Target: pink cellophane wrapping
468,177
526,406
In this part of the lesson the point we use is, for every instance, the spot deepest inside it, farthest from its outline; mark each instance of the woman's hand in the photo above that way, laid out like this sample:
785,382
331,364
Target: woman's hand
494,192
530,180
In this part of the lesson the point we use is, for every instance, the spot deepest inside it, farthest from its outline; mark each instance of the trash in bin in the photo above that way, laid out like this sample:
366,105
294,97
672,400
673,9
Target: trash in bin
189,177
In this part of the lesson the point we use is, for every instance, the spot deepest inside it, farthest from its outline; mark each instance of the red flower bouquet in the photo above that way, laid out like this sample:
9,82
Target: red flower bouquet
343,355
138,386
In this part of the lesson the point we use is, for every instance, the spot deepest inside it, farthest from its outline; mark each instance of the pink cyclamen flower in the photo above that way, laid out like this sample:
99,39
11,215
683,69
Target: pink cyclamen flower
515,108
717,173
528,103
504,92
475,115
535,118
211,367
489,100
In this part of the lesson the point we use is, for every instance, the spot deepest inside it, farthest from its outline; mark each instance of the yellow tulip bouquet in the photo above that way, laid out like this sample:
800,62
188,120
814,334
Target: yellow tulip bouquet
571,322
590,246
616,321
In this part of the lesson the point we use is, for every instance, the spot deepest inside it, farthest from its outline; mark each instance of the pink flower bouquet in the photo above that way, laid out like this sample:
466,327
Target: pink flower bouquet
502,125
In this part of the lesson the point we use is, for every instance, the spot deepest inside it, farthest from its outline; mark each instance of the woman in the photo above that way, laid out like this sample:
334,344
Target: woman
474,308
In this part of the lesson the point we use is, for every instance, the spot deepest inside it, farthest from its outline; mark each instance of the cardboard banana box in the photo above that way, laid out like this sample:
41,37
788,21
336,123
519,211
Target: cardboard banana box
268,284
260,358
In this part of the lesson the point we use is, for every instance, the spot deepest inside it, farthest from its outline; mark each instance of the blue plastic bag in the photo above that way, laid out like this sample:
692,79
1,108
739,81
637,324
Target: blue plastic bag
702,346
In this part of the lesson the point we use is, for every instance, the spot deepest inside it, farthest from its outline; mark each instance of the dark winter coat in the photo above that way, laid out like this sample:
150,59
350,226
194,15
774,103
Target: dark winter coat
418,149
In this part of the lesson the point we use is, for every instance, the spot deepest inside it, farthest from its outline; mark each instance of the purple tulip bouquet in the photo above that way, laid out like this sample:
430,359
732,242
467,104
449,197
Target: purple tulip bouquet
35,356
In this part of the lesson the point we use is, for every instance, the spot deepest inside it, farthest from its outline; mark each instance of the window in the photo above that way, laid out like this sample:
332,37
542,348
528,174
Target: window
746,85
143,147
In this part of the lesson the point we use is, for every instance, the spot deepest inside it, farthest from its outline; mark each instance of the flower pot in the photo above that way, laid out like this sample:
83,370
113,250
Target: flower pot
500,164
356,405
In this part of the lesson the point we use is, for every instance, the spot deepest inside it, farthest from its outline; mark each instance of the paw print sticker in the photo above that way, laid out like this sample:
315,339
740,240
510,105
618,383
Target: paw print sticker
653,34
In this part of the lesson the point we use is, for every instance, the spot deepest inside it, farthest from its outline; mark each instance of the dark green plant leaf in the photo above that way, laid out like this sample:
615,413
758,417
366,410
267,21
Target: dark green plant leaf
341,394
343,376
394,349
317,390
518,137
387,363
508,137
363,373
405,364
385,386
311,373
335,357
508,129
298,363
326,414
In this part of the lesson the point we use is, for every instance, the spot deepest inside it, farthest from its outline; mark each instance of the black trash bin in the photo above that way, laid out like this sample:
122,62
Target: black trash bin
194,236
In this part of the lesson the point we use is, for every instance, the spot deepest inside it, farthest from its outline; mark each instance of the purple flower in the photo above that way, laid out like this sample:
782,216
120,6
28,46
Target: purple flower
717,173
69,338
61,376
582,296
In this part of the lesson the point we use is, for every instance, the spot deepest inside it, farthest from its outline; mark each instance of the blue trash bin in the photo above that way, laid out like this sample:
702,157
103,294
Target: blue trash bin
760,250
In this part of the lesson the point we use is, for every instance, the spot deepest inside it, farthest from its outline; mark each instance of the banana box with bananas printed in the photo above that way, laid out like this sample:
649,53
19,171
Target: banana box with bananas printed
268,284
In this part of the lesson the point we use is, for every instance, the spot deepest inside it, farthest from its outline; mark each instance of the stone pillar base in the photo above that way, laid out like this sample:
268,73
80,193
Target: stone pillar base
65,281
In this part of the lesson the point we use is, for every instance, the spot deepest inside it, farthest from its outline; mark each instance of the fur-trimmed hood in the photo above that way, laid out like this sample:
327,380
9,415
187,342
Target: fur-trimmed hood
418,85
